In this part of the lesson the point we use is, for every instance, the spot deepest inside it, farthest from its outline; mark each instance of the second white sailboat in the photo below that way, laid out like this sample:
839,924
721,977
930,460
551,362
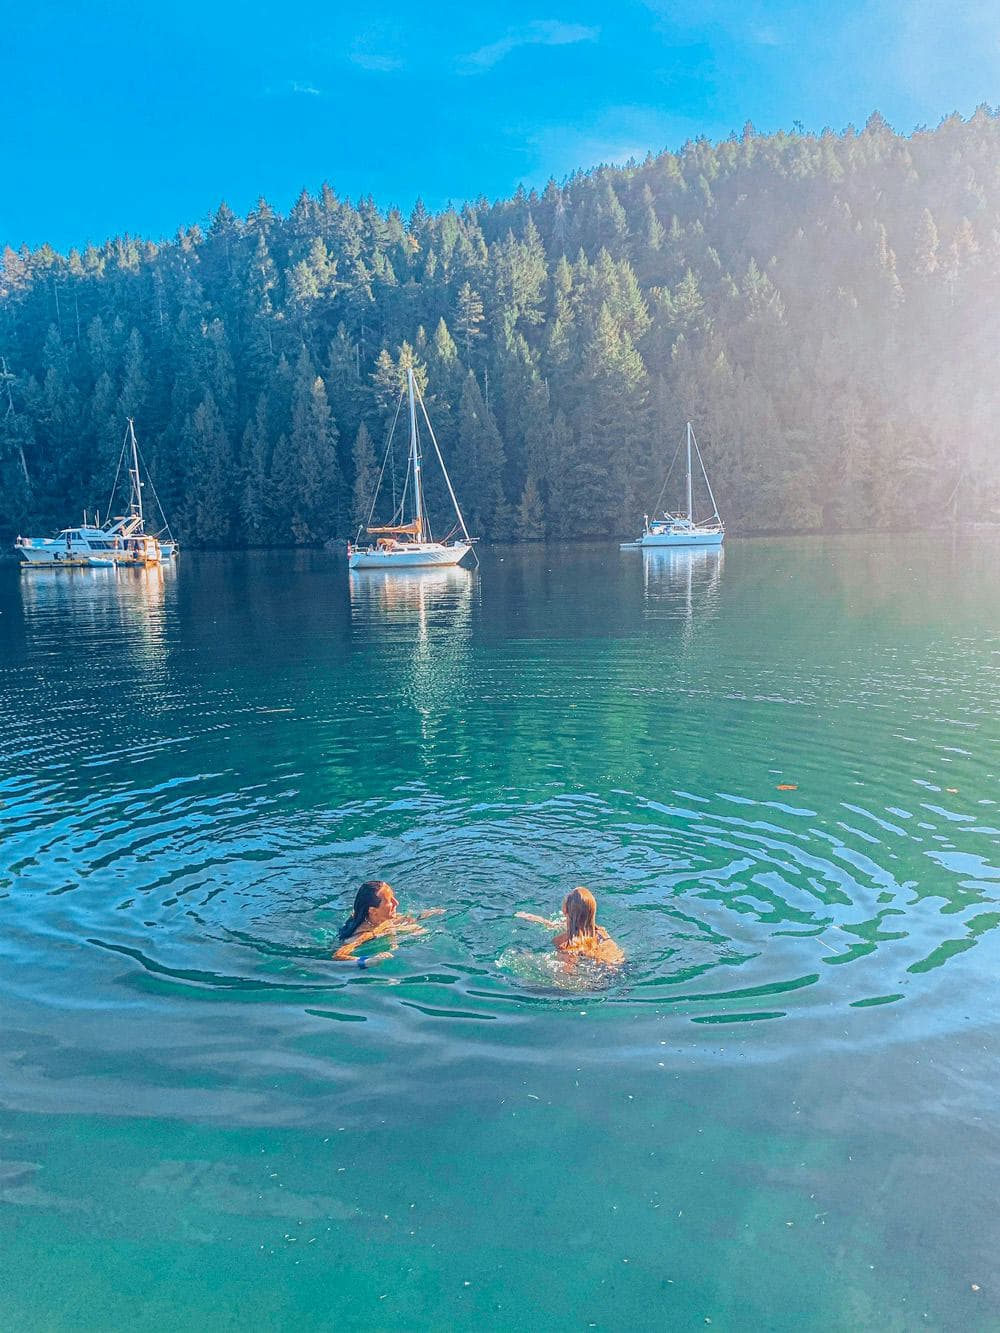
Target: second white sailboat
668,529
410,545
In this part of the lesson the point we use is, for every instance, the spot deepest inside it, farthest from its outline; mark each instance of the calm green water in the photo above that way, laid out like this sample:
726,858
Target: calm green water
783,1115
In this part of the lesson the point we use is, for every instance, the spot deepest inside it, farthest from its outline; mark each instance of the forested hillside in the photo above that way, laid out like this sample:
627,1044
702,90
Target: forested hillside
825,309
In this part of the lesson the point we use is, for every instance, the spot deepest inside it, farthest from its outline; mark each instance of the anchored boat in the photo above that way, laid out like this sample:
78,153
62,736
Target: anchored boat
410,544
69,548
681,529
118,541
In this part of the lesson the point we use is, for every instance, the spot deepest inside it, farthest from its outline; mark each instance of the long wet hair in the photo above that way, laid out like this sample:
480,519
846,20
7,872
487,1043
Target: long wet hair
366,897
581,915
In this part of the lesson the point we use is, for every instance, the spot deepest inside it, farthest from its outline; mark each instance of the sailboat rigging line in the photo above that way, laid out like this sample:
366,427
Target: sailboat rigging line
663,488
711,496
149,478
118,472
378,484
399,513
451,492
952,498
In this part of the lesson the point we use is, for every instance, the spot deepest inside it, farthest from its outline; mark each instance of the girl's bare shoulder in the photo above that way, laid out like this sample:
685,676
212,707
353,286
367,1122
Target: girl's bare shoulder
609,952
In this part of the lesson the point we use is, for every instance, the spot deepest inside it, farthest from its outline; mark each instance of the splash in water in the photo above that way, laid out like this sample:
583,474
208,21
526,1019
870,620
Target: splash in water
553,971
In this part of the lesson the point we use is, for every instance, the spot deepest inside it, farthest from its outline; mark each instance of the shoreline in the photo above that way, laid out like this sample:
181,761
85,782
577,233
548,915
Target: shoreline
337,545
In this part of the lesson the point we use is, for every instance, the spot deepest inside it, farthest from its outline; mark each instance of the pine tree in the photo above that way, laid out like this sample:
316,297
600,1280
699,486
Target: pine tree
468,318
105,428
610,422
317,504
135,379
479,464
390,376
925,246
365,472
209,516
529,524
255,503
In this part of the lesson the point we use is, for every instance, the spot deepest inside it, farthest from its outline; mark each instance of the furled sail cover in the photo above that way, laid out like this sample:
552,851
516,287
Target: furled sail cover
404,530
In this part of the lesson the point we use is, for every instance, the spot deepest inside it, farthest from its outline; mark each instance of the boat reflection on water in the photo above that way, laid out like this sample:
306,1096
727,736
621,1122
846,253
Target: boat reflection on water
94,606
666,566
85,590
682,584
411,595
420,622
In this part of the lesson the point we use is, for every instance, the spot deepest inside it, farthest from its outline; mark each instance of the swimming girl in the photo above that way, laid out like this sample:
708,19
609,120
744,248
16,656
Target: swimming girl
582,936
376,916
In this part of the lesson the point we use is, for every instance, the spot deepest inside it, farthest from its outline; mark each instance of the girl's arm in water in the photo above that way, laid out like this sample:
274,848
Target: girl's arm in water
540,920
345,953
399,925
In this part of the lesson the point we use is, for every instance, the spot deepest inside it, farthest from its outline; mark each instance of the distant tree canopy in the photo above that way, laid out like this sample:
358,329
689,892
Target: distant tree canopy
825,309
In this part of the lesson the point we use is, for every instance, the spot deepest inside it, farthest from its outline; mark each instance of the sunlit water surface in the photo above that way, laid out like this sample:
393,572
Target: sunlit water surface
777,769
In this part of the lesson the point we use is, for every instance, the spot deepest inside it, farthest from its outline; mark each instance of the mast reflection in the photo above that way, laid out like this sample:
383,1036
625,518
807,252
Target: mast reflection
420,622
683,584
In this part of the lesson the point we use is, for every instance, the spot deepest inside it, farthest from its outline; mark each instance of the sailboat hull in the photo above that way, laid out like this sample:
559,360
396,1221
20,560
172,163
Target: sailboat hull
692,537
412,555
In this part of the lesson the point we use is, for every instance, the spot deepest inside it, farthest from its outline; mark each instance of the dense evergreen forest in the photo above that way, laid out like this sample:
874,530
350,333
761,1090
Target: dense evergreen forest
824,309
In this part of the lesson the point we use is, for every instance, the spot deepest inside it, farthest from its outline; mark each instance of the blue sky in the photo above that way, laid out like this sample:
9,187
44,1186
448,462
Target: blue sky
138,117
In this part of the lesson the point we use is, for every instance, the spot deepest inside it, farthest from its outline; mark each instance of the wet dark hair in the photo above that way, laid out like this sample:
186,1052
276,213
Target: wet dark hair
366,897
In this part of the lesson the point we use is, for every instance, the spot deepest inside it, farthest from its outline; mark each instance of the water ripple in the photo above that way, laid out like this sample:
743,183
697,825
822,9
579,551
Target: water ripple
774,826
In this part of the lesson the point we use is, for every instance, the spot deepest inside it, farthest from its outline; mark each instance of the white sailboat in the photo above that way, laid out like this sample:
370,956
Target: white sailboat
410,545
668,529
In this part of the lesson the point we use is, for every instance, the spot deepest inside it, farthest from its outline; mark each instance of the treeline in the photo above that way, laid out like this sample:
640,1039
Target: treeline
823,308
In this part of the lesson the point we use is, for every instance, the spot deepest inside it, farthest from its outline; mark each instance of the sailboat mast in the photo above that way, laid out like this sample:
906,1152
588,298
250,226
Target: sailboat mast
418,505
690,503
136,484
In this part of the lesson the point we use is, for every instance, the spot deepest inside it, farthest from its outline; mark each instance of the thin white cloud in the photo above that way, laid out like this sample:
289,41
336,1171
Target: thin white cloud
380,64
379,47
748,22
542,32
293,88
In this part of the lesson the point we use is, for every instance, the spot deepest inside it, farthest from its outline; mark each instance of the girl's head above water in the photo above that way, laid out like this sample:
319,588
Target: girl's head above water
374,903
580,907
